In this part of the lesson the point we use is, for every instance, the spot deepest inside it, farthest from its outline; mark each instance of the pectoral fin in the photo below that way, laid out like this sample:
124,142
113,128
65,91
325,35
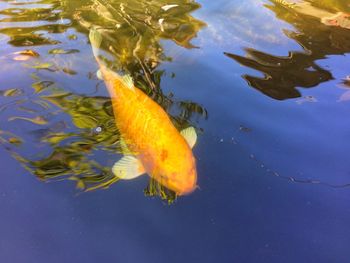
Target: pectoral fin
128,168
190,136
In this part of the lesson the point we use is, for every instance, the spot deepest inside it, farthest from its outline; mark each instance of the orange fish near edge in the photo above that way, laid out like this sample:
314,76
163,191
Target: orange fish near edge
151,142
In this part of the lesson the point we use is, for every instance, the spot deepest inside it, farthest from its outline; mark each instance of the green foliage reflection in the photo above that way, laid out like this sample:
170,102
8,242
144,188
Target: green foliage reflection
79,140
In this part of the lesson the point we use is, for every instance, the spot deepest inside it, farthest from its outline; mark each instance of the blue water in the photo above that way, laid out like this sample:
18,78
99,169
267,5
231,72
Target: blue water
272,169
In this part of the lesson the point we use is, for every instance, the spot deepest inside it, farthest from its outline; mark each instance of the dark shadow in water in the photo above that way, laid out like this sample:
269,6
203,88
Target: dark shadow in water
318,31
132,34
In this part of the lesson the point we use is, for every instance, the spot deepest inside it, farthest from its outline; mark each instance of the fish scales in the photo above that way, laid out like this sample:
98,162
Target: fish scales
157,146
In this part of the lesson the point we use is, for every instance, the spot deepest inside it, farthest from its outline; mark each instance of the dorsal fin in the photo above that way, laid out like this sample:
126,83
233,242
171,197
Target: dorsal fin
128,81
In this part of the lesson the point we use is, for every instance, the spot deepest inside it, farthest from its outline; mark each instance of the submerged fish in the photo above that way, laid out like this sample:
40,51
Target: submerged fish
150,140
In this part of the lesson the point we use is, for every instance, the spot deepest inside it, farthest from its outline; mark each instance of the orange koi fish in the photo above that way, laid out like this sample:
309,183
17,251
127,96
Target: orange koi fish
149,140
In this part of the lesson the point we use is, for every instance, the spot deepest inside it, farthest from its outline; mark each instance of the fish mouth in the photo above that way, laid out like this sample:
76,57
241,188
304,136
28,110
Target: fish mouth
182,185
191,185
188,191
181,188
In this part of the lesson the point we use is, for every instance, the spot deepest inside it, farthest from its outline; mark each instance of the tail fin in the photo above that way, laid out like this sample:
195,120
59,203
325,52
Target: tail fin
95,40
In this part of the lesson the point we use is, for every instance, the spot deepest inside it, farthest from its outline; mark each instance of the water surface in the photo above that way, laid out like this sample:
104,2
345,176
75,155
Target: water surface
265,85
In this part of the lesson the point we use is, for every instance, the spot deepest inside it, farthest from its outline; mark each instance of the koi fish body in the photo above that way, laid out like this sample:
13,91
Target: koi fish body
148,137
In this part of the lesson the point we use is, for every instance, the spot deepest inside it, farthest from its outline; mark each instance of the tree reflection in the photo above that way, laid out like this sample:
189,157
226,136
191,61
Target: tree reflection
315,32
76,147
132,32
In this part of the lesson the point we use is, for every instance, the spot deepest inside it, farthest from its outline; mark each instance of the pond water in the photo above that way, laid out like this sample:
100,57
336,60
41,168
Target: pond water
265,84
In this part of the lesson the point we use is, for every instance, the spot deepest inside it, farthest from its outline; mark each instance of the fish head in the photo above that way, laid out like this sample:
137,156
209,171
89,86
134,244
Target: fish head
180,178
187,182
